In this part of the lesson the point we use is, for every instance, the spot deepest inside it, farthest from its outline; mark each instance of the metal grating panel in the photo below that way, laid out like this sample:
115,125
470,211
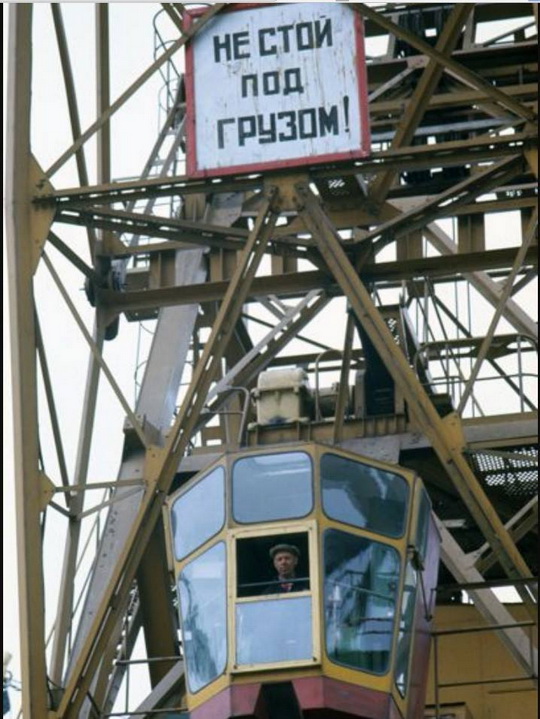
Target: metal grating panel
515,479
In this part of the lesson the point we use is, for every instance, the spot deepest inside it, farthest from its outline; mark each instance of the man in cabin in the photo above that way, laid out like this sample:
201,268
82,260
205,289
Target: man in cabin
285,560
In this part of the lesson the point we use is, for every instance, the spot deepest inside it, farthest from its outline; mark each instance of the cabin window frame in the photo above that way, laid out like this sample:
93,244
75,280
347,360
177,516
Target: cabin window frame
364,528
418,549
266,520
369,540
280,534
181,557
220,544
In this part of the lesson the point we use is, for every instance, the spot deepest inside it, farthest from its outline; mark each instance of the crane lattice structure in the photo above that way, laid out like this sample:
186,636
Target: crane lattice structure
401,250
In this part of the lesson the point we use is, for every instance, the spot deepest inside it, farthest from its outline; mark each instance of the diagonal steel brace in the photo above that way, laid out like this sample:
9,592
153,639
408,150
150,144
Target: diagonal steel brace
162,463
445,435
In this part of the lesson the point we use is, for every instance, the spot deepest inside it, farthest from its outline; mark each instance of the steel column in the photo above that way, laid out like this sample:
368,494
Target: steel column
72,103
65,603
505,295
343,393
103,91
28,492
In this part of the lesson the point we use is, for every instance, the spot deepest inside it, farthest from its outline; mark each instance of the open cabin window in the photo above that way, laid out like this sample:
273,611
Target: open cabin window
255,572
273,624
272,487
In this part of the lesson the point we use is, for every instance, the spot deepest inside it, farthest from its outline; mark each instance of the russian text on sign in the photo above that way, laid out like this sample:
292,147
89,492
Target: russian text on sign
279,83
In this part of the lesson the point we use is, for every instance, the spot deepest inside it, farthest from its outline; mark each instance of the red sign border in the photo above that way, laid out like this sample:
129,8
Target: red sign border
255,168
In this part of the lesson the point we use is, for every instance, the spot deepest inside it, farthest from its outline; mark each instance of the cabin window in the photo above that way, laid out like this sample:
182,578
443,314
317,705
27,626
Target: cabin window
361,582
406,622
364,496
274,630
409,599
272,487
202,587
256,572
422,530
199,513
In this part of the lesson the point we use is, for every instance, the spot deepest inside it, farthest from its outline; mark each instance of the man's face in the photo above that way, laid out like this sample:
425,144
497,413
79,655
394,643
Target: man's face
285,563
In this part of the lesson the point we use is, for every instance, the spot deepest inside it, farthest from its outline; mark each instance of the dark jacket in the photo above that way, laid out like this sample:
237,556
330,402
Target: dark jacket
286,586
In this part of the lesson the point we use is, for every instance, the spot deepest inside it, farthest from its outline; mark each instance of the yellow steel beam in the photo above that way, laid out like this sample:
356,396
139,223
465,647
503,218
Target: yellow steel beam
103,135
132,89
423,92
296,284
445,435
64,615
55,423
343,392
73,109
505,294
96,351
450,64
440,205
162,464
523,522
28,482
454,97
443,154
157,610
531,153
172,12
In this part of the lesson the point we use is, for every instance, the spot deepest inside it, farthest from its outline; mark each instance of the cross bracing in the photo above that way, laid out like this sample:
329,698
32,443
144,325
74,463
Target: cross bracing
229,277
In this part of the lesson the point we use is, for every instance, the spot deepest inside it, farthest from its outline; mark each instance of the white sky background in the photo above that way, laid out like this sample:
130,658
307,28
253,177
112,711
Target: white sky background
137,128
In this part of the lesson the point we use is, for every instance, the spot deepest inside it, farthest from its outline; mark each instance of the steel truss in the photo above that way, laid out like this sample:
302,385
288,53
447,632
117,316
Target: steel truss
455,138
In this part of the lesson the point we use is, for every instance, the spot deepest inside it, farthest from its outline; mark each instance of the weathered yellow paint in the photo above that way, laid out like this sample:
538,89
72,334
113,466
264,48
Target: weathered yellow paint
479,656
47,490
41,215
454,432
532,158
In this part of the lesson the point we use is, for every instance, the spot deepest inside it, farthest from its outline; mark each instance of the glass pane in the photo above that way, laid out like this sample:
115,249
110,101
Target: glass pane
274,630
199,513
405,630
202,587
360,590
272,486
364,496
423,524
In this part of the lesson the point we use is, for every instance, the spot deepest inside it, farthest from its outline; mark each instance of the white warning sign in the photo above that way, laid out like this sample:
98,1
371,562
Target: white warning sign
276,85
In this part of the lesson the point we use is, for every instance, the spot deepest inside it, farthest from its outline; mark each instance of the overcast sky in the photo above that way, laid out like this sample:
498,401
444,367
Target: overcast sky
136,129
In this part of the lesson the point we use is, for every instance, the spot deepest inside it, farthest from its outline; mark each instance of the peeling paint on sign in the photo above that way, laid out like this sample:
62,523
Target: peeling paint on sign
276,85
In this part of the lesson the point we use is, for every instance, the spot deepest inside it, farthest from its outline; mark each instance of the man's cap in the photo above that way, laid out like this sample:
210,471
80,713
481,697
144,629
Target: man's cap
290,548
